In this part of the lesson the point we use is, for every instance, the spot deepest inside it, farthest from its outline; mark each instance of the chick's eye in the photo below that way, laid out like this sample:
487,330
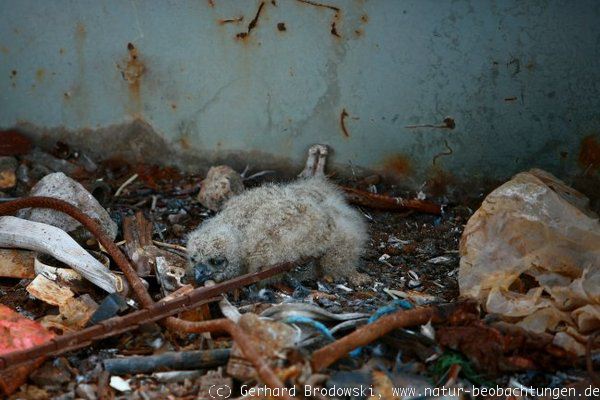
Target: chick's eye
218,262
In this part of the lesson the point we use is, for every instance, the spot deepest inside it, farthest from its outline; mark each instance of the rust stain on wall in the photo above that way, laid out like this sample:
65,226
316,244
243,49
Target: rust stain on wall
40,74
439,181
343,116
13,78
446,152
336,16
589,154
447,123
132,73
253,24
236,20
397,165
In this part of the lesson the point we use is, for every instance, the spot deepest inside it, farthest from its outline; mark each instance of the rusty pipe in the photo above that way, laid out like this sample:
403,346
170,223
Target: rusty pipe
381,202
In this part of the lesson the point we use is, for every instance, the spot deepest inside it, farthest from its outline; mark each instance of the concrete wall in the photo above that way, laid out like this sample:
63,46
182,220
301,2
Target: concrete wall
213,79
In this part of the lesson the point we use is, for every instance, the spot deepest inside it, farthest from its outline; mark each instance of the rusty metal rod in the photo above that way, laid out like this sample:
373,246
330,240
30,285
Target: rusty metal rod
366,334
381,202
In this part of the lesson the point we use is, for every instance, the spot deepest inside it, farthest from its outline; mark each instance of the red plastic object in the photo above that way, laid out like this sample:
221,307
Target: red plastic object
18,333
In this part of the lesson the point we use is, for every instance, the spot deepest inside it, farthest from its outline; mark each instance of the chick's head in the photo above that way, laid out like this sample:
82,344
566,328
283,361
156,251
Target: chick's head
214,252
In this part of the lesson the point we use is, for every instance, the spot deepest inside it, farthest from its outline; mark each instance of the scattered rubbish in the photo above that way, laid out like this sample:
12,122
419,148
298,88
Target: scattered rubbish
287,310
120,384
170,277
17,263
381,202
49,291
8,172
263,330
46,163
221,183
112,305
414,297
20,233
270,337
177,376
74,313
56,271
148,259
60,186
530,254
441,260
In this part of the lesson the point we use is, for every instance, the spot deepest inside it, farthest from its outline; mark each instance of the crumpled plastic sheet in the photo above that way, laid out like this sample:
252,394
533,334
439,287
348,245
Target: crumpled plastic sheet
531,254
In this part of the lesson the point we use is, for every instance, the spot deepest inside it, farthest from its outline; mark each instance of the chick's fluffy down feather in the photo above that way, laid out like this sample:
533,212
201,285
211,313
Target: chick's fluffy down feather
275,223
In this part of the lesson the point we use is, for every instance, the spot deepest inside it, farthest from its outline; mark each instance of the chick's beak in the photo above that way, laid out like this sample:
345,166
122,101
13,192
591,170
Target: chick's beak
202,273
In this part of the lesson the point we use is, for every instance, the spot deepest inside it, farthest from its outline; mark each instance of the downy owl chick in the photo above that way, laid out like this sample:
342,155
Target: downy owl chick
276,223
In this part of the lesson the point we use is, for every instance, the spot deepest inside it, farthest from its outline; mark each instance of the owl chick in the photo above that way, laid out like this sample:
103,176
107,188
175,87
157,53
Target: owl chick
276,223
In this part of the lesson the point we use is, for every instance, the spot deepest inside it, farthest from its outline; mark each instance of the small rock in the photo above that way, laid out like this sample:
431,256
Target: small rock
60,186
120,384
221,183
8,169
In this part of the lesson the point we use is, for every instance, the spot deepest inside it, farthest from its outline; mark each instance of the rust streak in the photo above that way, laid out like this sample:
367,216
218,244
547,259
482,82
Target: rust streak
447,123
132,73
336,14
231,20
398,165
343,117
443,153
334,31
314,3
252,23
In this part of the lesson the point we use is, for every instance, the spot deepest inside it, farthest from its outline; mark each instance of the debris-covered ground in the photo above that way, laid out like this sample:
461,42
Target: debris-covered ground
411,264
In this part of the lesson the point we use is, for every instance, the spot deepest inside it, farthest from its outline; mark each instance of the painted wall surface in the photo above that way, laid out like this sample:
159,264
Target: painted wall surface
474,88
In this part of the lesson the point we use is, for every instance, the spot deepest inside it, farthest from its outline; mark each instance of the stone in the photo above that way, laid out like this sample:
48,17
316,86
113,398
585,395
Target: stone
60,186
8,172
221,183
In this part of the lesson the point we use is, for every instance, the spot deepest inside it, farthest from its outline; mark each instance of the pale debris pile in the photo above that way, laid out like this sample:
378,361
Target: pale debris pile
532,253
